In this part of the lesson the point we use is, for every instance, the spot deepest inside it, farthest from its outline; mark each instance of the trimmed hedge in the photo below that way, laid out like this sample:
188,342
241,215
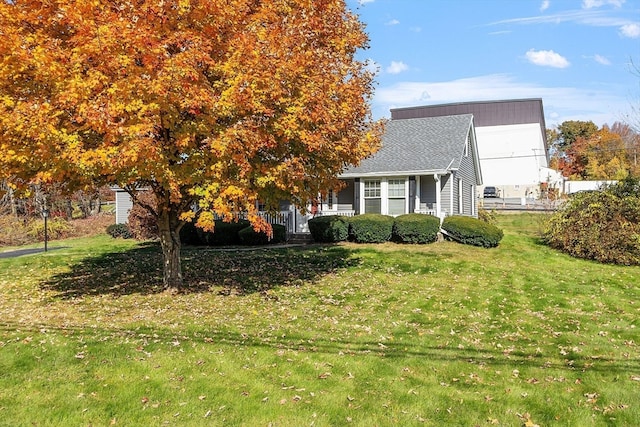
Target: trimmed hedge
189,234
119,230
248,236
472,231
224,233
371,228
416,228
329,229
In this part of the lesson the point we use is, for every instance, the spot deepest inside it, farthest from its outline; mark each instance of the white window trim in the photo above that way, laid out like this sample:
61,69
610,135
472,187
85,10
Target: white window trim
384,193
460,196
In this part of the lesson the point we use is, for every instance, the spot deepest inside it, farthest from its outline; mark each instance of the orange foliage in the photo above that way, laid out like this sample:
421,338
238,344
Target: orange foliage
219,102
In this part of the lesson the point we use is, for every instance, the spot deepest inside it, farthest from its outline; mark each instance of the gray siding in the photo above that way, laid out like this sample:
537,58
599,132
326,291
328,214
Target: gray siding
446,188
467,173
346,196
427,190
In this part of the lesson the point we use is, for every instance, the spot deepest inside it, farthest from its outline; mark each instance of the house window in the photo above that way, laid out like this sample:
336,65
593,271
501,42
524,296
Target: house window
396,194
372,197
330,200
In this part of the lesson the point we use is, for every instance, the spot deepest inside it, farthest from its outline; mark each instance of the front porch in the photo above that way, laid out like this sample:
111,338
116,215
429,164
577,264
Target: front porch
297,223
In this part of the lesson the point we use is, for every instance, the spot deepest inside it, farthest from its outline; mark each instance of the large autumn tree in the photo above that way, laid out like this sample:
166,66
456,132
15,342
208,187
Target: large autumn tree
215,103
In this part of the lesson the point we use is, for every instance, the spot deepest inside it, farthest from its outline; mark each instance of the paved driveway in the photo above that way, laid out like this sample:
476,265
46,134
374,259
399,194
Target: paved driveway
21,252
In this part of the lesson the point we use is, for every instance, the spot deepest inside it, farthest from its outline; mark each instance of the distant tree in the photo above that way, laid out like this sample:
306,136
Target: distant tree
602,156
631,139
218,103
569,131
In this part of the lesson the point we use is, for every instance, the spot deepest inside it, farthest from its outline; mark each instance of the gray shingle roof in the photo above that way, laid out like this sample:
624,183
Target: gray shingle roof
429,144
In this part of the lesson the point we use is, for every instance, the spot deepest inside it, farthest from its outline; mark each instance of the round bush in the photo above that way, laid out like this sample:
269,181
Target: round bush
119,230
189,234
248,236
371,228
416,228
329,229
223,234
472,231
600,225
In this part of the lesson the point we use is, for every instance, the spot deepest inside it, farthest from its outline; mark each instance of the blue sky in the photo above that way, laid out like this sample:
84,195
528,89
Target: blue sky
574,54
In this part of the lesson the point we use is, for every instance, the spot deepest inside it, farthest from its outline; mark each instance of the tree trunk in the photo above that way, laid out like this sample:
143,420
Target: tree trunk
169,229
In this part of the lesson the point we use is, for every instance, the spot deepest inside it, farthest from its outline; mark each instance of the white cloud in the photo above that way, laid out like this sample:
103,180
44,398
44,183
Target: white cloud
594,18
560,103
361,2
588,4
498,33
601,60
545,5
397,67
547,58
631,31
415,29
392,22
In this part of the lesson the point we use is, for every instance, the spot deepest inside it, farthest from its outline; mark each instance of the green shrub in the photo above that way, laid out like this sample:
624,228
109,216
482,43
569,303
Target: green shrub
416,228
248,236
599,225
190,234
370,228
472,231
223,234
329,229
119,230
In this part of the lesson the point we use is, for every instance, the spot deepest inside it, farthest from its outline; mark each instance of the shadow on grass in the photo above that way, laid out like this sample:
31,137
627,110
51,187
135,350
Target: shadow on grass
139,270
333,346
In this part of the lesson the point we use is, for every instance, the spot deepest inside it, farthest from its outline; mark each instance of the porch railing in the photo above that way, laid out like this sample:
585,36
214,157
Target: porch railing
340,212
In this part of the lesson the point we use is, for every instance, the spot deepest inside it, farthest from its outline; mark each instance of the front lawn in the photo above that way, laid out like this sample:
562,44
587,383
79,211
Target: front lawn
326,335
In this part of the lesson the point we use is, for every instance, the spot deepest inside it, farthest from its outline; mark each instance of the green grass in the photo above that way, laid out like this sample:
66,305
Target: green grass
439,334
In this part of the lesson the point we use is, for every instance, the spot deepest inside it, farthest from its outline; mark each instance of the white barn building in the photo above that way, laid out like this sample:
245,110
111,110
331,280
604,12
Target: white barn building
512,142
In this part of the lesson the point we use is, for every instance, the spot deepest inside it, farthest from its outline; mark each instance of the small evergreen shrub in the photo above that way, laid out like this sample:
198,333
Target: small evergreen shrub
599,225
416,228
370,228
119,230
223,234
472,231
248,236
329,229
189,234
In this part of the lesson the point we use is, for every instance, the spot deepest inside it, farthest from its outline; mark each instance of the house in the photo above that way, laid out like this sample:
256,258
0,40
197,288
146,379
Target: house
512,141
426,165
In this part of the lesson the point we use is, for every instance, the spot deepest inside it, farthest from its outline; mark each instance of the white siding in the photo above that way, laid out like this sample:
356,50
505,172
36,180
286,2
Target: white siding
511,155
123,206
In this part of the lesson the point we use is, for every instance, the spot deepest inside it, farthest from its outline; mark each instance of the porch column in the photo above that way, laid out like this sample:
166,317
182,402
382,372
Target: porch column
436,178
356,196
412,194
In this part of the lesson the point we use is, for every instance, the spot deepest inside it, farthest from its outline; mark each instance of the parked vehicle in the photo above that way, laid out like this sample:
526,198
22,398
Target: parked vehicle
490,191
